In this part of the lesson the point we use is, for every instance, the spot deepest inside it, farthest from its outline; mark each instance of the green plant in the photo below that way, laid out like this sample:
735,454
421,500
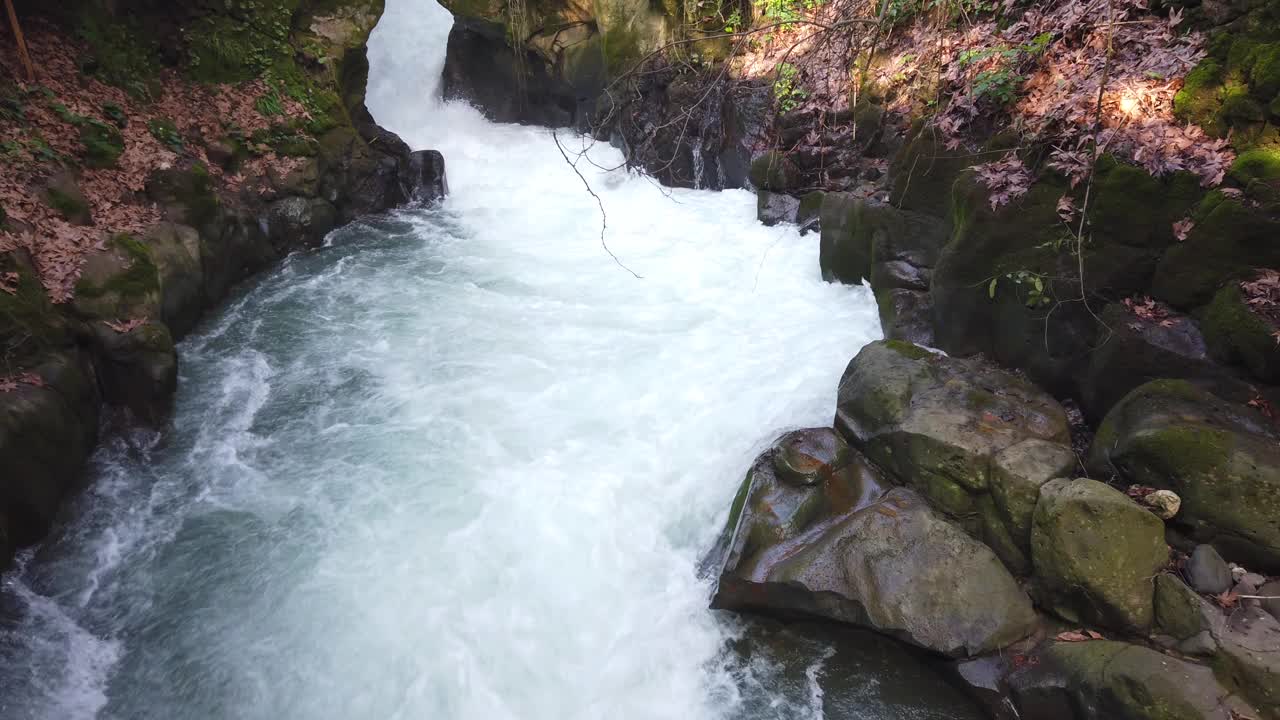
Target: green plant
733,23
786,89
115,115
164,131
1029,283
269,104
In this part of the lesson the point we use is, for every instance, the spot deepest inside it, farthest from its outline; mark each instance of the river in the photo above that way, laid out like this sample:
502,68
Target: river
462,464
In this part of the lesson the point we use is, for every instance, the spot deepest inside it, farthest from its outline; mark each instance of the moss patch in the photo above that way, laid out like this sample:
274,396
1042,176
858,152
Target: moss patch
1235,334
136,282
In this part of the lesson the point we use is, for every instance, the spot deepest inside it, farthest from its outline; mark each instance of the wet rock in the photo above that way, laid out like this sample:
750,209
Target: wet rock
773,171
1207,571
809,214
1222,459
800,668
1107,680
118,296
426,176
1095,554
300,221
774,208
936,423
906,315
506,85
176,252
894,566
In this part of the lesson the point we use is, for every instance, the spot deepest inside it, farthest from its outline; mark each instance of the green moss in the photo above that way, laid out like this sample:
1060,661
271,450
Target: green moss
621,47
101,143
1236,334
906,349
1257,164
29,324
240,43
137,281
121,53
1264,71
1190,449
771,171
1199,99
166,133
68,206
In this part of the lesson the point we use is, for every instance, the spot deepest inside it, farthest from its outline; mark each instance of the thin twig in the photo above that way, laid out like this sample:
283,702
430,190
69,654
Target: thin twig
604,219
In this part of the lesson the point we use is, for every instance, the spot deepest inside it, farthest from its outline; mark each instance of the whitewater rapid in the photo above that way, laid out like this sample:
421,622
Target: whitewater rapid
457,464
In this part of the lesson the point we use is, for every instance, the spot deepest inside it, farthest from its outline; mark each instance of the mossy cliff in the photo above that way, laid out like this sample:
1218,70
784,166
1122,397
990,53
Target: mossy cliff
109,345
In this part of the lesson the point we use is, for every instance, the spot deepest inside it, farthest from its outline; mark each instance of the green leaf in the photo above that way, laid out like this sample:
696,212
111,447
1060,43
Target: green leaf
991,289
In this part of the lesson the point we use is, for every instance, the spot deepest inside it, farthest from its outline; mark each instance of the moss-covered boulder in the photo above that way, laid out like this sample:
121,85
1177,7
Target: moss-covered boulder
48,406
1229,240
937,423
63,194
1221,458
1177,608
175,250
894,566
906,315
1107,680
1238,335
1137,349
1018,472
1095,554
119,298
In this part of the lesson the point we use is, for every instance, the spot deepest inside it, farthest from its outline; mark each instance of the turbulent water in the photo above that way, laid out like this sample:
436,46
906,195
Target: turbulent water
460,463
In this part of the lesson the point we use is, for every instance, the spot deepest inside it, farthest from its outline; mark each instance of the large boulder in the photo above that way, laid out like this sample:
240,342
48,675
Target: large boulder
1107,680
975,440
1096,554
809,534
118,296
1221,458
1157,343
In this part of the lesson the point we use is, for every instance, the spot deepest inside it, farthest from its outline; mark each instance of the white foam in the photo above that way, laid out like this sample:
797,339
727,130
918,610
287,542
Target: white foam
457,464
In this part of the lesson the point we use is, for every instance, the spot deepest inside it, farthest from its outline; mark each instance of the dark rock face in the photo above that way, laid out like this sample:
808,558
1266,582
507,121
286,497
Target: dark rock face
810,534
1117,681
481,68
1222,459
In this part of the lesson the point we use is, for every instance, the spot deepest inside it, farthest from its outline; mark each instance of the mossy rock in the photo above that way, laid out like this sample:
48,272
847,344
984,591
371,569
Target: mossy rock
923,173
186,194
936,423
1228,241
46,434
1177,608
118,282
101,145
1109,680
1017,474
848,226
32,327
772,171
1221,458
1095,553
1238,335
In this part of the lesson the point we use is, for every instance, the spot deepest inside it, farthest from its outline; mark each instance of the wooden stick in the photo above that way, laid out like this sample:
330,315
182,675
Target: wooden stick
22,42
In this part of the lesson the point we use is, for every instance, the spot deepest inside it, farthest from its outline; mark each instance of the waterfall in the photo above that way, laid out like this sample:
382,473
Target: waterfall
456,464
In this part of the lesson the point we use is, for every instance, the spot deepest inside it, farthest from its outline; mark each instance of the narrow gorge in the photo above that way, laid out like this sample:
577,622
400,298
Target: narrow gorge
801,359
